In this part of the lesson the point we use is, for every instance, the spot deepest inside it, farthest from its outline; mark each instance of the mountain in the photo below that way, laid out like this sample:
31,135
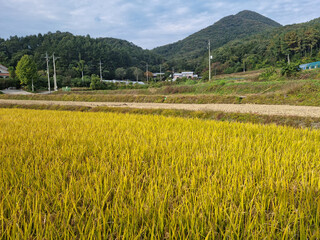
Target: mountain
301,42
232,27
113,53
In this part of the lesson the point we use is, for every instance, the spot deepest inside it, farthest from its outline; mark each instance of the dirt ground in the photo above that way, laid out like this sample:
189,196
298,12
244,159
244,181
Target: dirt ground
280,110
15,92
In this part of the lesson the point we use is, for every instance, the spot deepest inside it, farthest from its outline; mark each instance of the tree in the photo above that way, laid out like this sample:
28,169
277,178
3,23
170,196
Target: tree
148,75
120,73
138,73
27,71
311,37
95,82
80,66
12,72
291,44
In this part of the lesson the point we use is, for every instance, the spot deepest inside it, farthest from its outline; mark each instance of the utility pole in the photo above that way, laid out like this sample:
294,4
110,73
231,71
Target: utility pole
54,72
172,74
100,71
288,58
137,74
47,59
32,86
160,73
147,74
209,61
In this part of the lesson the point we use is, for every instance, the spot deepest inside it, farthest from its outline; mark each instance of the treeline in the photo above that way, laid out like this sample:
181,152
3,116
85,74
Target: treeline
293,44
77,54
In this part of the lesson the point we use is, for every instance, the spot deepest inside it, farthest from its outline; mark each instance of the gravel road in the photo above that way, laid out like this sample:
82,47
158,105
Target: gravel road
280,110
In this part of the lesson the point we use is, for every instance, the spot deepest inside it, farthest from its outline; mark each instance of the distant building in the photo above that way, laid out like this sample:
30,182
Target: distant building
4,73
123,81
155,75
189,75
312,65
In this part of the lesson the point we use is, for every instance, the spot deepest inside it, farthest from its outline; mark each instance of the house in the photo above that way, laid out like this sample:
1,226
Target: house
155,75
4,73
310,65
189,75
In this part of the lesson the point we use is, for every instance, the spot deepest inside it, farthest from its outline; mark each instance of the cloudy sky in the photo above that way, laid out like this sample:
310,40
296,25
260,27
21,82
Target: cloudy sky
147,23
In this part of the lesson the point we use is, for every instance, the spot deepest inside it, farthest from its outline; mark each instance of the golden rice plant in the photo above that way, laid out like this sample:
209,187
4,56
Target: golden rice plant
73,175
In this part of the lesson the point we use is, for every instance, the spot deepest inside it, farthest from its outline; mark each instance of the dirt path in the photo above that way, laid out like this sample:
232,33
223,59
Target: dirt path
282,110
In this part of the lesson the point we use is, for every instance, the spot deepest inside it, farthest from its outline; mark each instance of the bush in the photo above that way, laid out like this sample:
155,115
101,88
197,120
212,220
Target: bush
8,82
290,69
268,74
191,82
78,82
181,80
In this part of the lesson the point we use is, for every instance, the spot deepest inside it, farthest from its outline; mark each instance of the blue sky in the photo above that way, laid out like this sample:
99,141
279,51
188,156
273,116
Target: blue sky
146,23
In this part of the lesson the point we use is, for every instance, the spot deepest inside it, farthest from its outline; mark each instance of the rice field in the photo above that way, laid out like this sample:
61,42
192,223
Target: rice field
74,175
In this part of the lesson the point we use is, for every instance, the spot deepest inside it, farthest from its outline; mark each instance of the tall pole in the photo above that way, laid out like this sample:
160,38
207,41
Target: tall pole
147,74
47,59
100,71
172,74
137,76
54,73
160,73
244,65
209,61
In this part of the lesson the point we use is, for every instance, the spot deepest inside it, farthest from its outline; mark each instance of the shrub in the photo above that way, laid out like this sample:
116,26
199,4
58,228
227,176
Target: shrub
8,82
289,69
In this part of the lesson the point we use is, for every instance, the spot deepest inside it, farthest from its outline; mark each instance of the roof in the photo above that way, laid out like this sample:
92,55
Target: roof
1,66
308,65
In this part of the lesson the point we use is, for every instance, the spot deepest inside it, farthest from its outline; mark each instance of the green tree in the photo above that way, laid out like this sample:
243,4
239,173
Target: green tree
138,73
80,66
27,71
311,37
95,82
120,73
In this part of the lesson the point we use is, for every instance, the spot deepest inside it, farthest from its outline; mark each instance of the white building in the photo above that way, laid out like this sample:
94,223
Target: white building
4,73
189,75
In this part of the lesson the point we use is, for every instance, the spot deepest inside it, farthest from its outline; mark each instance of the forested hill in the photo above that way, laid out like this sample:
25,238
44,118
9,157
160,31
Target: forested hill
237,26
114,53
301,42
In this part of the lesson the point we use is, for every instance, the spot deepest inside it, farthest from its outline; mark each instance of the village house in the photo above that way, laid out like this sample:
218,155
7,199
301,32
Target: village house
189,75
4,73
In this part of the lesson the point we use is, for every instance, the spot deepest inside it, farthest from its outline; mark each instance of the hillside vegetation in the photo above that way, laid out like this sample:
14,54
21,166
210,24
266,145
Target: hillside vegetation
192,48
300,43
77,53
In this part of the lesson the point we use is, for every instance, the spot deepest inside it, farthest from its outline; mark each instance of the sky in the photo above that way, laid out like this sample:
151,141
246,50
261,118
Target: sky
146,23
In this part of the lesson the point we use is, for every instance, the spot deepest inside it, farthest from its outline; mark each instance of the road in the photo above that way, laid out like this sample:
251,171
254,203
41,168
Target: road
280,110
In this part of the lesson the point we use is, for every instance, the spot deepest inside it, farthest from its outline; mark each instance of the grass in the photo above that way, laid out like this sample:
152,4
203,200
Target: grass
84,175
303,89
296,122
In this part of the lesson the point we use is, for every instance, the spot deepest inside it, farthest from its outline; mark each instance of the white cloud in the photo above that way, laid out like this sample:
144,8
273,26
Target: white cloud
148,23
